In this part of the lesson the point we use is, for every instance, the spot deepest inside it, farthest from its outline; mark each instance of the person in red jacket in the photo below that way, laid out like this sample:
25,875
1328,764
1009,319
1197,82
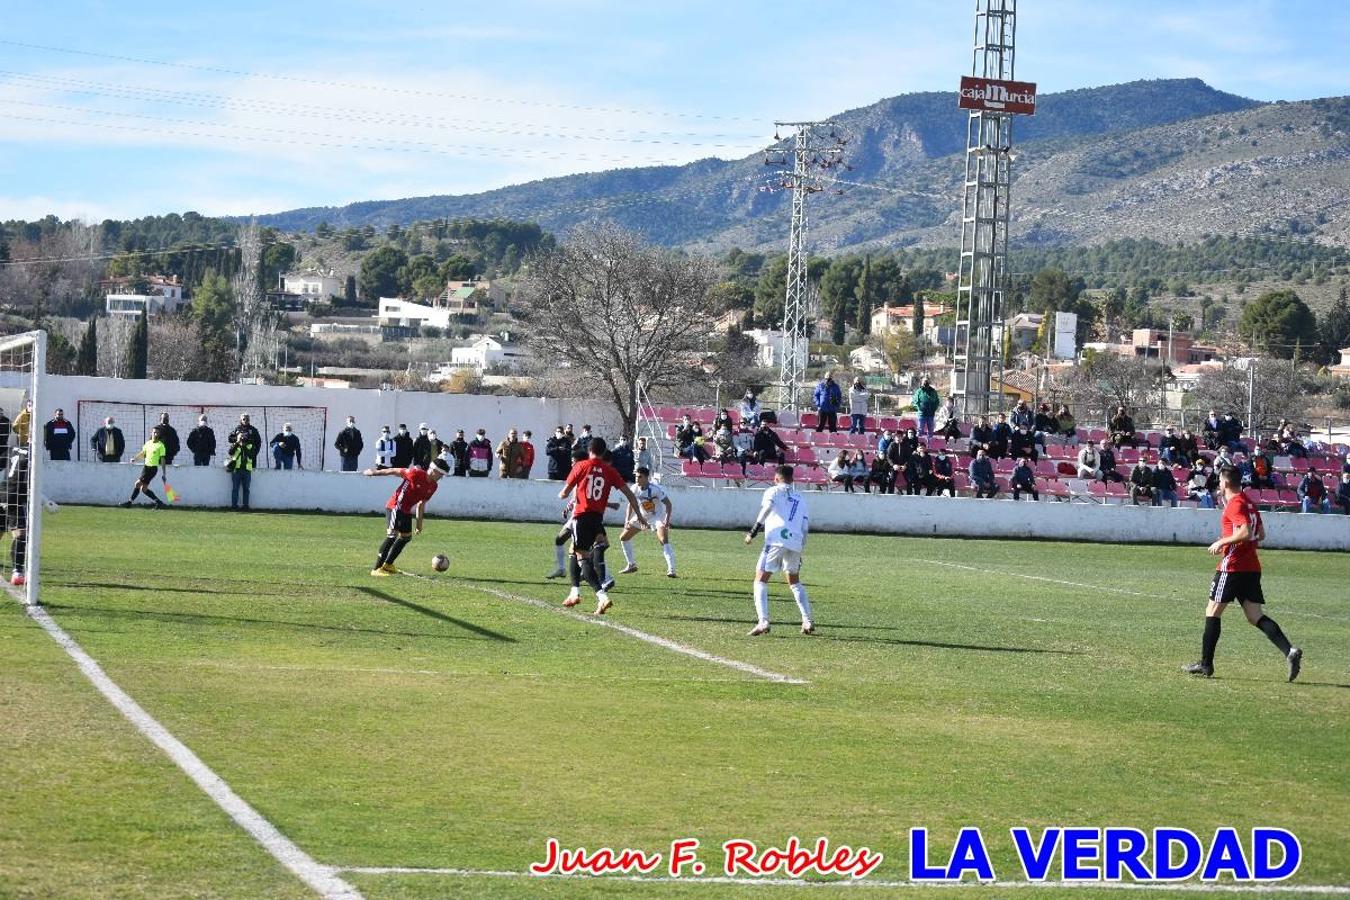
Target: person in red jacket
526,456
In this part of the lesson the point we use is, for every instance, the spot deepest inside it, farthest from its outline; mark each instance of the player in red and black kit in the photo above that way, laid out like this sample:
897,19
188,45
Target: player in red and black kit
1239,578
592,479
410,499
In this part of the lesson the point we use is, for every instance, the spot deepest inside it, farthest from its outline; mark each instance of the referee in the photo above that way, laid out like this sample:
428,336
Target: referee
152,454
1239,578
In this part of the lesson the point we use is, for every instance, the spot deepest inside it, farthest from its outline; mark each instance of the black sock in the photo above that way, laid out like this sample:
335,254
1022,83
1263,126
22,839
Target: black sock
1211,640
574,570
384,551
149,493
563,537
135,492
1272,630
18,553
598,560
588,572
399,543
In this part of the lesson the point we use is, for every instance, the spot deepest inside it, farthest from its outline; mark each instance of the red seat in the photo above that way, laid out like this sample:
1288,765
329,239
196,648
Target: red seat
889,423
759,473
1097,489
936,443
810,420
691,469
787,419
806,455
1046,469
859,442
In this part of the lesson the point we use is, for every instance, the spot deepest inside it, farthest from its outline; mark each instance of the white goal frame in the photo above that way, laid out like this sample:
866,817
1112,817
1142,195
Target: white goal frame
33,391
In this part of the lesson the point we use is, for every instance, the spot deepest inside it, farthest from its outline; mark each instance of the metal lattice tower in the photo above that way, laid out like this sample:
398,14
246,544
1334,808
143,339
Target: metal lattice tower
977,370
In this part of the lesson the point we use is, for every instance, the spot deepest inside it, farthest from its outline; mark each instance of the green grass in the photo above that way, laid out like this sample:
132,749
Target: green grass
426,723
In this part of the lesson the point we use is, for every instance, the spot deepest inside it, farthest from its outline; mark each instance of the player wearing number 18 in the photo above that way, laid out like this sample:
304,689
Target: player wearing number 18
782,516
409,499
592,478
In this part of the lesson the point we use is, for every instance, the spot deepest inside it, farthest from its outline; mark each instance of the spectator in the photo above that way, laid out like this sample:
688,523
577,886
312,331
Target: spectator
1068,426
646,459
906,446
828,399
882,474
1312,493
1141,482
859,398
621,458
1164,486
508,455
22,424
168,435
687,436
1089,461
884,442
951,422
1212,431
998,446
480,455
926,403
558,449
982,475
403,448
201,442
58,436
286,449
1289,441
940,477
1122,430
385,448
1046,421
459,454
1022,445
981,436
744,442
916,471
1022,415
252,440
1223,461
240,466
860,471
1262,470
526,456
840,471
750,410
1169,448
724,447
1202,484
583,441
108,443
723,420
1230,433
769,447
349,445
1023,480
1343,493
571,443
1108,465
423,449
1188,448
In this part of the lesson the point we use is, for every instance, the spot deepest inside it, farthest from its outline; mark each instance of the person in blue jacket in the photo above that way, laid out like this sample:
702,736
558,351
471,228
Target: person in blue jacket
828,398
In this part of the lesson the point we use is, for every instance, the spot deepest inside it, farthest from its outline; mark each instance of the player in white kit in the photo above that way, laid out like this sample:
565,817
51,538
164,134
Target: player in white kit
649,495
782,516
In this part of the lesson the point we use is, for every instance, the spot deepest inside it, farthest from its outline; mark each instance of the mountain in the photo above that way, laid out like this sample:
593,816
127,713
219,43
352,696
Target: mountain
1166,159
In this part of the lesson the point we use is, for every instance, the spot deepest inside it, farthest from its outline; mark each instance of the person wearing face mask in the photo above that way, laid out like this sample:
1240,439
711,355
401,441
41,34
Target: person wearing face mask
459,455
286,449
526,456
558,449
247,436
403,449
480,455
423,450
349,445
941,478
750,409
508,455
169,435
385,449
108,443
201,443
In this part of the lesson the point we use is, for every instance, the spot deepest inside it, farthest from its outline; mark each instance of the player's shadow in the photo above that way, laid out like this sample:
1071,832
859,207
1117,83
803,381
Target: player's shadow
437,615
157,589
942,645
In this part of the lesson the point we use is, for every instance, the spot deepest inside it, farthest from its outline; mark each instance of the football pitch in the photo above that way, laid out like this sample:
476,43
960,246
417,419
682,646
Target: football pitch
425,736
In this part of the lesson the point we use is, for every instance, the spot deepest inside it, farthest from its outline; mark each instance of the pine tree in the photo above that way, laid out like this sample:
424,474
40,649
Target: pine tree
86,362
139,354
864,322
916,318
838,325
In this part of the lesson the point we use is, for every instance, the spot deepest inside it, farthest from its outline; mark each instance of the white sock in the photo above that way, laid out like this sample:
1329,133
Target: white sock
560,553
762,600
628,553
669,553
799,594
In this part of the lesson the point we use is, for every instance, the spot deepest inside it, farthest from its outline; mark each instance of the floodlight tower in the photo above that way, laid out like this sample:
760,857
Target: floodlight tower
992,98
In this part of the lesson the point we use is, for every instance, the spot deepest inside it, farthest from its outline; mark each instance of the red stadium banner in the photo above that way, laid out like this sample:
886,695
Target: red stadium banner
994,95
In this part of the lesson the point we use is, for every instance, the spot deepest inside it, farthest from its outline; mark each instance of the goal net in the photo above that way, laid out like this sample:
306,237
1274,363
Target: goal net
22,363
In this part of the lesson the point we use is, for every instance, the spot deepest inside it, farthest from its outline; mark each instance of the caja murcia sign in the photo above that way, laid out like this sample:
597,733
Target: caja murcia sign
994,95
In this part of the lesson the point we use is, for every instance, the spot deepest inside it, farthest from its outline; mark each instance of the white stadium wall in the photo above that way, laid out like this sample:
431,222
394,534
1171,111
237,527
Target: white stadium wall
537,501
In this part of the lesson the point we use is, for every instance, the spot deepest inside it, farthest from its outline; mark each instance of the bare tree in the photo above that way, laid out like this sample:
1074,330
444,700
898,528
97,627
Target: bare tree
1105,380
175,349
55,275
248,296
114,344
1279,390
606,311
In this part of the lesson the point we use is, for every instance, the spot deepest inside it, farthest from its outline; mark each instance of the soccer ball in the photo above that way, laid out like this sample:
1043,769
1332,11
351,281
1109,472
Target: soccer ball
440,562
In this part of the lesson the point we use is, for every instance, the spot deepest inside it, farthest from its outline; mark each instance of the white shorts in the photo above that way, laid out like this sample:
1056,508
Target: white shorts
780,559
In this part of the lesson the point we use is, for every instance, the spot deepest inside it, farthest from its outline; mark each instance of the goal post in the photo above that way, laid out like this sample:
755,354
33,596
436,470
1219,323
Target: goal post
23,361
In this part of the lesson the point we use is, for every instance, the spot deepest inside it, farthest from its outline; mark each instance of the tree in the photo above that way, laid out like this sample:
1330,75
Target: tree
1279,390
1277,322
349,291
606,311
213,311
1053,289
86,362
1334,327
864,292
899,347
277,259
1105,380
175,350
916,318
838,290
380,274
139,357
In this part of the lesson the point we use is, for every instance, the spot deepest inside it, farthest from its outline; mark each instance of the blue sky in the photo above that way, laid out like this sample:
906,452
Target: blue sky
252,107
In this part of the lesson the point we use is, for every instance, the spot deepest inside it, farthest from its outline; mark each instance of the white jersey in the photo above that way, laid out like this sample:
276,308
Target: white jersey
783,513
648,498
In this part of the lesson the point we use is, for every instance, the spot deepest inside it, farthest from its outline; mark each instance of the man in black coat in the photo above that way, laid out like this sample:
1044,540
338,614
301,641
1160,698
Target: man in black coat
58,436
459,451
558,449
769,447
108,443
201,442
252,440
403,449
423,449
169,437
349,445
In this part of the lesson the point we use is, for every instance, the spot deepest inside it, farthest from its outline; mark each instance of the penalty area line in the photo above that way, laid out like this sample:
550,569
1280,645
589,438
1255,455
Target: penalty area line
323,880
1184,887
653,639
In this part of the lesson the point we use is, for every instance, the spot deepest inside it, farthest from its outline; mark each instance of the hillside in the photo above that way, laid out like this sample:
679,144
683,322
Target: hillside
1164,159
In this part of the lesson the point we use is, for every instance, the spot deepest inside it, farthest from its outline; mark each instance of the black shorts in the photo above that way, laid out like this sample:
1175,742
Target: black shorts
585,529
148,474
1244,587
400,522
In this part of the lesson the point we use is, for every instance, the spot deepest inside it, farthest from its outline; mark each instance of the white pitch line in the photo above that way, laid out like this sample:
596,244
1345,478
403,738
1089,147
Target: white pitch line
323,880
1188,887
655,640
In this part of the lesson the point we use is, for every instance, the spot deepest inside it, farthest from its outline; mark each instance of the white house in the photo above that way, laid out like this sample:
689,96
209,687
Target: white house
314,286
868,359
485,352
405,313
161,295
770,344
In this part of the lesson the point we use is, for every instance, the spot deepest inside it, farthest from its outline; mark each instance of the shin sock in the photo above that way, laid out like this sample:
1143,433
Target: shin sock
762,600
629,556
399,543
1272,630
560,554
803,604
383,555
669,553
1211,640
587,566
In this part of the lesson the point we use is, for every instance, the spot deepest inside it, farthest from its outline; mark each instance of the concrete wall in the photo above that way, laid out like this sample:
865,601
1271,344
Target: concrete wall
537,501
